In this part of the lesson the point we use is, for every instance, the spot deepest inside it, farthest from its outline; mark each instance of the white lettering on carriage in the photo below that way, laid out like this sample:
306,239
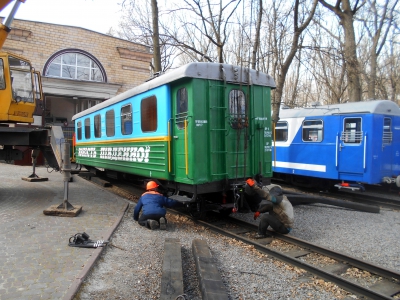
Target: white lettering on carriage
87,152
267,132
133,154
267,147
200,122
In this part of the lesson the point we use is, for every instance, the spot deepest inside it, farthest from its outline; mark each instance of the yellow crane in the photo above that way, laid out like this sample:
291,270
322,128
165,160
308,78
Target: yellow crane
20,84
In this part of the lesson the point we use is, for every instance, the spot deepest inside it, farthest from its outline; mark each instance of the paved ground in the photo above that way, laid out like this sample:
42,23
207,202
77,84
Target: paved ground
35,259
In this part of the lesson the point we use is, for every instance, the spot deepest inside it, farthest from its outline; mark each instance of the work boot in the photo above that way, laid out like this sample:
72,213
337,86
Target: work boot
153,224
163,224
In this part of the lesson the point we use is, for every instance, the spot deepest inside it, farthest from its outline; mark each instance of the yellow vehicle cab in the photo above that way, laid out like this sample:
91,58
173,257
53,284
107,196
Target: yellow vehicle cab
20,88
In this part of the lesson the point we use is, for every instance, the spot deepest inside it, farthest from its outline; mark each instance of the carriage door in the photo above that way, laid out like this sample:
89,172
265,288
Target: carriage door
387,148
180,112
351,156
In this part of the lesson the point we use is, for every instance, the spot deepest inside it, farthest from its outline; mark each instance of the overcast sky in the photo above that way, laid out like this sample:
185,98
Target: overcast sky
96,15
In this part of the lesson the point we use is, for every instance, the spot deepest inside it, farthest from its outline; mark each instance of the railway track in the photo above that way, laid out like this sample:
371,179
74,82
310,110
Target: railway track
387,287
385,282
374,198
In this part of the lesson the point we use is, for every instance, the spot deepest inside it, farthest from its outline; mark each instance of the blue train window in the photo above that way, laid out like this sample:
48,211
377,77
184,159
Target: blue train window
312,131
110,123
181,107
79,130
352,133
237,109
97,126
87,128
281,132
387,131
148,114
126,119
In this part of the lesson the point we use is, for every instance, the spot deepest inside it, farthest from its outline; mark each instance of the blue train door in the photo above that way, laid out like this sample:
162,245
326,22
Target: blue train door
387,156
351,150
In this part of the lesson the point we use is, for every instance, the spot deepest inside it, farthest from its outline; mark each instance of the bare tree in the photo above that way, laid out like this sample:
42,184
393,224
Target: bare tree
345,13
138,26
298,29
377,22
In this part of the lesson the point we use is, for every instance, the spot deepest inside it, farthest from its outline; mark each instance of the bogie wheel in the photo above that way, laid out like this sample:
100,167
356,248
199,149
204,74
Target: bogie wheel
198,211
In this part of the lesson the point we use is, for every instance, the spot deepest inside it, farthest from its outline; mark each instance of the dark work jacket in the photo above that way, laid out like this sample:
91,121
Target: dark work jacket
152,203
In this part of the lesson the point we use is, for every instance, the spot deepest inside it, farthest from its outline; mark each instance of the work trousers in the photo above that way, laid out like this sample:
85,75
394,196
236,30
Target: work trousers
271,220
143,219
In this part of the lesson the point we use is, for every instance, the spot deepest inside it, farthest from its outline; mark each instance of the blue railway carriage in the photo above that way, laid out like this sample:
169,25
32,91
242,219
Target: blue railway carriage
344,144
200,130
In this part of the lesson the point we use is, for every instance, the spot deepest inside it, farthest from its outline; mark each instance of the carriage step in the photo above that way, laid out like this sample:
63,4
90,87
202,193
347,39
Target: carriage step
181,198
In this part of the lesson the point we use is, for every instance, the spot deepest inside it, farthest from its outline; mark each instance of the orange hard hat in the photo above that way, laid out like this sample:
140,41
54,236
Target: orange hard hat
151,185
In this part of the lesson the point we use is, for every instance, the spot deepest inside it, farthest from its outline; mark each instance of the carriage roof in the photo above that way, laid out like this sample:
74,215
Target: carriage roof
382,107
203,70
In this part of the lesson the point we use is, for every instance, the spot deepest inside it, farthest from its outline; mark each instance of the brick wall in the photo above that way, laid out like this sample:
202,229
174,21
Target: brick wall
125,63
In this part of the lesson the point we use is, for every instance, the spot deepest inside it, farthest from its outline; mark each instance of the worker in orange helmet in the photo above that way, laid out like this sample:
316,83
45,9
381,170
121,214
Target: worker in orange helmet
152,202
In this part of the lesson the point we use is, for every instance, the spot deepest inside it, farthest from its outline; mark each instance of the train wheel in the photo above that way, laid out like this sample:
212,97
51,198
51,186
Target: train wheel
199,211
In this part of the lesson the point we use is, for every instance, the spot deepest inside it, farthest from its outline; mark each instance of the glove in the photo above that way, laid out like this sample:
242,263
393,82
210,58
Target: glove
250,182
256,215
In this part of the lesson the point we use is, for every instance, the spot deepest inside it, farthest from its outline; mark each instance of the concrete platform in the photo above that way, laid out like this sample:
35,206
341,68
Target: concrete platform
211,285
35,259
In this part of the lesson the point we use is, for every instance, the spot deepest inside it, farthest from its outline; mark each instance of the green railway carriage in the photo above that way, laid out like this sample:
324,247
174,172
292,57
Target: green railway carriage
200,130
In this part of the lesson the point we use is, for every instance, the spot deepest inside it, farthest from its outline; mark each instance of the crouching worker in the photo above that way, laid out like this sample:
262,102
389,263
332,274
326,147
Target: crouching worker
280,213
152,202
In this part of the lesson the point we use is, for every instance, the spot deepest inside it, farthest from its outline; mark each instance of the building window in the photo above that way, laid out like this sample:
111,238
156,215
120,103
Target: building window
352,133
75,64
281,131
110,123
387,131
237,109
97,126
79,129
312,131
87,128
181,107
126,119
148,114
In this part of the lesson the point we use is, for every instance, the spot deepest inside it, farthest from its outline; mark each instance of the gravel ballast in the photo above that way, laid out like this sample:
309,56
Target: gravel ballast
130,266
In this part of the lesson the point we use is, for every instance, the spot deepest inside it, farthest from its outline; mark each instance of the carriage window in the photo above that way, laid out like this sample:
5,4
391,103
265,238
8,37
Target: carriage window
97,126
281,132
87,128
312,131
352,133
181,107
110,123
126,119
387,131
237,109
79,128
148,114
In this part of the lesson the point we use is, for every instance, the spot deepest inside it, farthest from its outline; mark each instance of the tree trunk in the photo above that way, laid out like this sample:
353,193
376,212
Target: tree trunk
257,36
350,53
156,38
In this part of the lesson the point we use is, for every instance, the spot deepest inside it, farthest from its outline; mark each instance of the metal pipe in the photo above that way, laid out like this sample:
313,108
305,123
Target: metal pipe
11,15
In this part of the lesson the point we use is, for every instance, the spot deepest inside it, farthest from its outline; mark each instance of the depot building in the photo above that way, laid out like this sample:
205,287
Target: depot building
80,68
